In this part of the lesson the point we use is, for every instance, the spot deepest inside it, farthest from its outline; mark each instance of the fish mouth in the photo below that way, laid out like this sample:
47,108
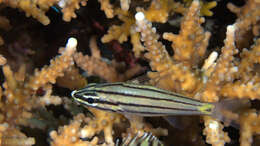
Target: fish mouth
77,98
73,93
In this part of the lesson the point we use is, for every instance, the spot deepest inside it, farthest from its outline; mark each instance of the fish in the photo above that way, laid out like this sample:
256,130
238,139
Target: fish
137,99
146,139
141,100
56,9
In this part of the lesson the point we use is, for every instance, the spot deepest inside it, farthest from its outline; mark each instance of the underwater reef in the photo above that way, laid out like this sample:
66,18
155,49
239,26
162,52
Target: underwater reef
205,50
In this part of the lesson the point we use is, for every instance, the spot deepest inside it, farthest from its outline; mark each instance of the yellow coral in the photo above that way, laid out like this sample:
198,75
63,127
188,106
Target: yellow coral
37,9
223,70
103,121
222,73
56,68
20,92
121,32
138,125
214,132
249,123
70,135
205,6
191,43
69,7
72,79
247,21
95,65
31,9
107,8
247,82
11,136
2,60
159,10
168,71
226,75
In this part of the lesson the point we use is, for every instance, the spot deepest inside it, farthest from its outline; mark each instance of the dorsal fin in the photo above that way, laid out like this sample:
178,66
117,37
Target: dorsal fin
142,79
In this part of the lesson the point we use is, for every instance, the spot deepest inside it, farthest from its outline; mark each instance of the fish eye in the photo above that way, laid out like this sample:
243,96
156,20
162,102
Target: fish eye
90,100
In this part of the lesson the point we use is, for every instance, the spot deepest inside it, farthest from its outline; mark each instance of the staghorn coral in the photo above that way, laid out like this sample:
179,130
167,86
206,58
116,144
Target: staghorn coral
69,7
11,136
125,4
170,71
205,7
138,125
218,79
230,72
159,10
247,21
102,121
73,133
72,79
20,93
82,127
157,54
223,70
2,60
95,65
37,9
69,135
107,8
121,32
191,43
249,126
214,132
56,67
222,73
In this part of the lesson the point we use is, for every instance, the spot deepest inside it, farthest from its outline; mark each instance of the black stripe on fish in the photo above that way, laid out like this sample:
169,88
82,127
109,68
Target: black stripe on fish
139,96
133,86
140,105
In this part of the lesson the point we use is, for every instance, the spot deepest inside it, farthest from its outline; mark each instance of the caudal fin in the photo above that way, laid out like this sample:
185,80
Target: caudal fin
228,110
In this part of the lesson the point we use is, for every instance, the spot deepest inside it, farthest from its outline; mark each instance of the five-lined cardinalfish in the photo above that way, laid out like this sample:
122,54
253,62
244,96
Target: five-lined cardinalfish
145,100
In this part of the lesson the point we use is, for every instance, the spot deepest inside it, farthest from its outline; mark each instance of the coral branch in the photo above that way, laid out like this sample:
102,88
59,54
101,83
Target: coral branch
214,132
107,8
249,123
56,68
69,7
95,65
191,43
247,22
70,135
168,71
224,69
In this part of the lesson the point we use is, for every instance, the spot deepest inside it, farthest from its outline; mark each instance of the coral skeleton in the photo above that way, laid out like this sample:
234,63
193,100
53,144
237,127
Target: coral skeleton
208,51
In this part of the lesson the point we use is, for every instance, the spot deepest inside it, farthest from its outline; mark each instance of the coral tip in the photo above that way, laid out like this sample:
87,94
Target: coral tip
72,43
139,16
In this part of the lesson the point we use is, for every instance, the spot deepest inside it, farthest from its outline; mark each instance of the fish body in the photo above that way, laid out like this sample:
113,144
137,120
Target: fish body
147,139
56,9
143,100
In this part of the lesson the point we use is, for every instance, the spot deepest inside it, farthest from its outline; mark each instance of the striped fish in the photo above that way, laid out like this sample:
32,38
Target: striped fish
56,9
147,139
143,100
